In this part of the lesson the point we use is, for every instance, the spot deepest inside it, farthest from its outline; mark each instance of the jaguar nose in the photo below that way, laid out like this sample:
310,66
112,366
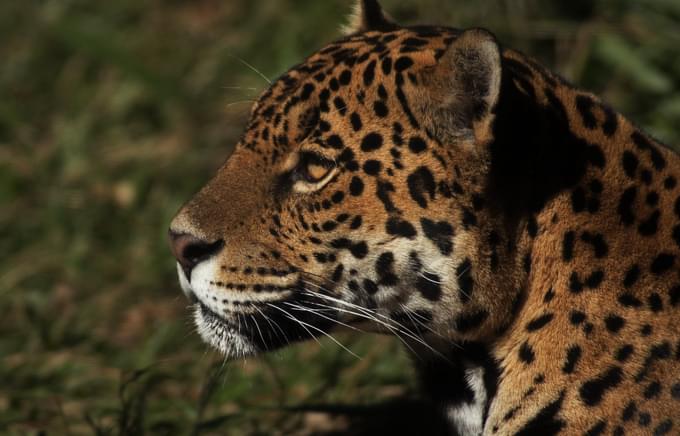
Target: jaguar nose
190,250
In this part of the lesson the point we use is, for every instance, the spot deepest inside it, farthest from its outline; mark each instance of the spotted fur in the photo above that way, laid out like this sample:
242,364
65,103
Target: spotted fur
520,236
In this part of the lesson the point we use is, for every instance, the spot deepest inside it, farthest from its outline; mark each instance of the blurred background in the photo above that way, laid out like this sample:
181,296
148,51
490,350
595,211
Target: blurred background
112,113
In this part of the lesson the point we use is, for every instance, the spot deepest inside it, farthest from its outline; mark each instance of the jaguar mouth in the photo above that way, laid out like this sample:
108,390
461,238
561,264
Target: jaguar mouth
261,326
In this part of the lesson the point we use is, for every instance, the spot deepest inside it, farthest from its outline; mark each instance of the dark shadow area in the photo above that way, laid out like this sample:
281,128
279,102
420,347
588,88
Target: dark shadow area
401,416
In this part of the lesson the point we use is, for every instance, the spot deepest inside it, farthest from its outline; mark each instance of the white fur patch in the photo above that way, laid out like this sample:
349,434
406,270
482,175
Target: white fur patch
219,301
468,419
232,344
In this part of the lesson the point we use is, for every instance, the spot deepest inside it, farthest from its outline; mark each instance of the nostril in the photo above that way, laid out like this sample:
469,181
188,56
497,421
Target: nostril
196,252
190,250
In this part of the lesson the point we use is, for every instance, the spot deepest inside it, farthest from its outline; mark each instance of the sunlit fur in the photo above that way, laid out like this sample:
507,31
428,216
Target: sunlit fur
518,235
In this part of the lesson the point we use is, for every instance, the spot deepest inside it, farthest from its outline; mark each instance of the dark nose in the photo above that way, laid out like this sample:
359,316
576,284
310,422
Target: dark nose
190,250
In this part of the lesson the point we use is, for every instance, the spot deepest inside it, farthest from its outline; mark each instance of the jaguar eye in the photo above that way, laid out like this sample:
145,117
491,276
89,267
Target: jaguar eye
313,170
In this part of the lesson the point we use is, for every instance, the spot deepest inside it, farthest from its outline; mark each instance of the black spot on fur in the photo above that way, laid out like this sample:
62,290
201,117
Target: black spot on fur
345,77
359,250
652,390
664,427
629,411
623,353
670,182
625,208
380,109
371,142
384,268
372,167
384,191
584,105
429,287
337,273
417,145
369,73
594,279
440,233
355,119
399,227
597,241
658,351
577,317
662,263
356,186
370,286
630,163
674,294
592,391
469,218
644,144
421,186
655,302
573,356
568,246
575,284
546,421
675,391
549,295
632,276
644,418
526,353
402,63
629,300
649,226
614,323
540,322
597,429
676,235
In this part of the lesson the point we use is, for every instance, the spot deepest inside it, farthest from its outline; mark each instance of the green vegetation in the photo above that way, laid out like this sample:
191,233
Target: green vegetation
113,112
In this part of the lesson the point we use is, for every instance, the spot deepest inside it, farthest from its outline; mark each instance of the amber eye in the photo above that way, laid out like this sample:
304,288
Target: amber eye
313,170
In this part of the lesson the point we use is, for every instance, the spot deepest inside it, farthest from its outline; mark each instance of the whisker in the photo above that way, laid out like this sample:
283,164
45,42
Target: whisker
296,320
252,68
396,330
316,312
240,102
247,88
302,323
269,321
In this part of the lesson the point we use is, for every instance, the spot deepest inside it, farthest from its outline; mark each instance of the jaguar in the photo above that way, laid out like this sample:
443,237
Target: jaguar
518,235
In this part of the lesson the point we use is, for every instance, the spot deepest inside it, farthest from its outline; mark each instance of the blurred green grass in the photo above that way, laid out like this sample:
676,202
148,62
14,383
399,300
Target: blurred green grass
113,113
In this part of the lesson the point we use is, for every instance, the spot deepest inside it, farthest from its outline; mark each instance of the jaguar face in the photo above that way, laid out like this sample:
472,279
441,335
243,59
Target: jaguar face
349,199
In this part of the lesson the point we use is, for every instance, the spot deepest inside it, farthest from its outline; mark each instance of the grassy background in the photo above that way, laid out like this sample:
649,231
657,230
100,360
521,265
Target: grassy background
112,113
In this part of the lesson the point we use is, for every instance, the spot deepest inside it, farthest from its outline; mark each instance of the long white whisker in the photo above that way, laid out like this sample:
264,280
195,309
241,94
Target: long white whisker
316,312
239,102
302,323
394,329
297,321
372,315
412,316
252,68
269,321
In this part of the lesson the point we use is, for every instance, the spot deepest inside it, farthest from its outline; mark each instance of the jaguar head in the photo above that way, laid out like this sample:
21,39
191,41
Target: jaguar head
353,197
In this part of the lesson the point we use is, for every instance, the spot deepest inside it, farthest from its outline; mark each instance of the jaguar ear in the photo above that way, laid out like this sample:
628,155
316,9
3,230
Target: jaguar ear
457,95
368,15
